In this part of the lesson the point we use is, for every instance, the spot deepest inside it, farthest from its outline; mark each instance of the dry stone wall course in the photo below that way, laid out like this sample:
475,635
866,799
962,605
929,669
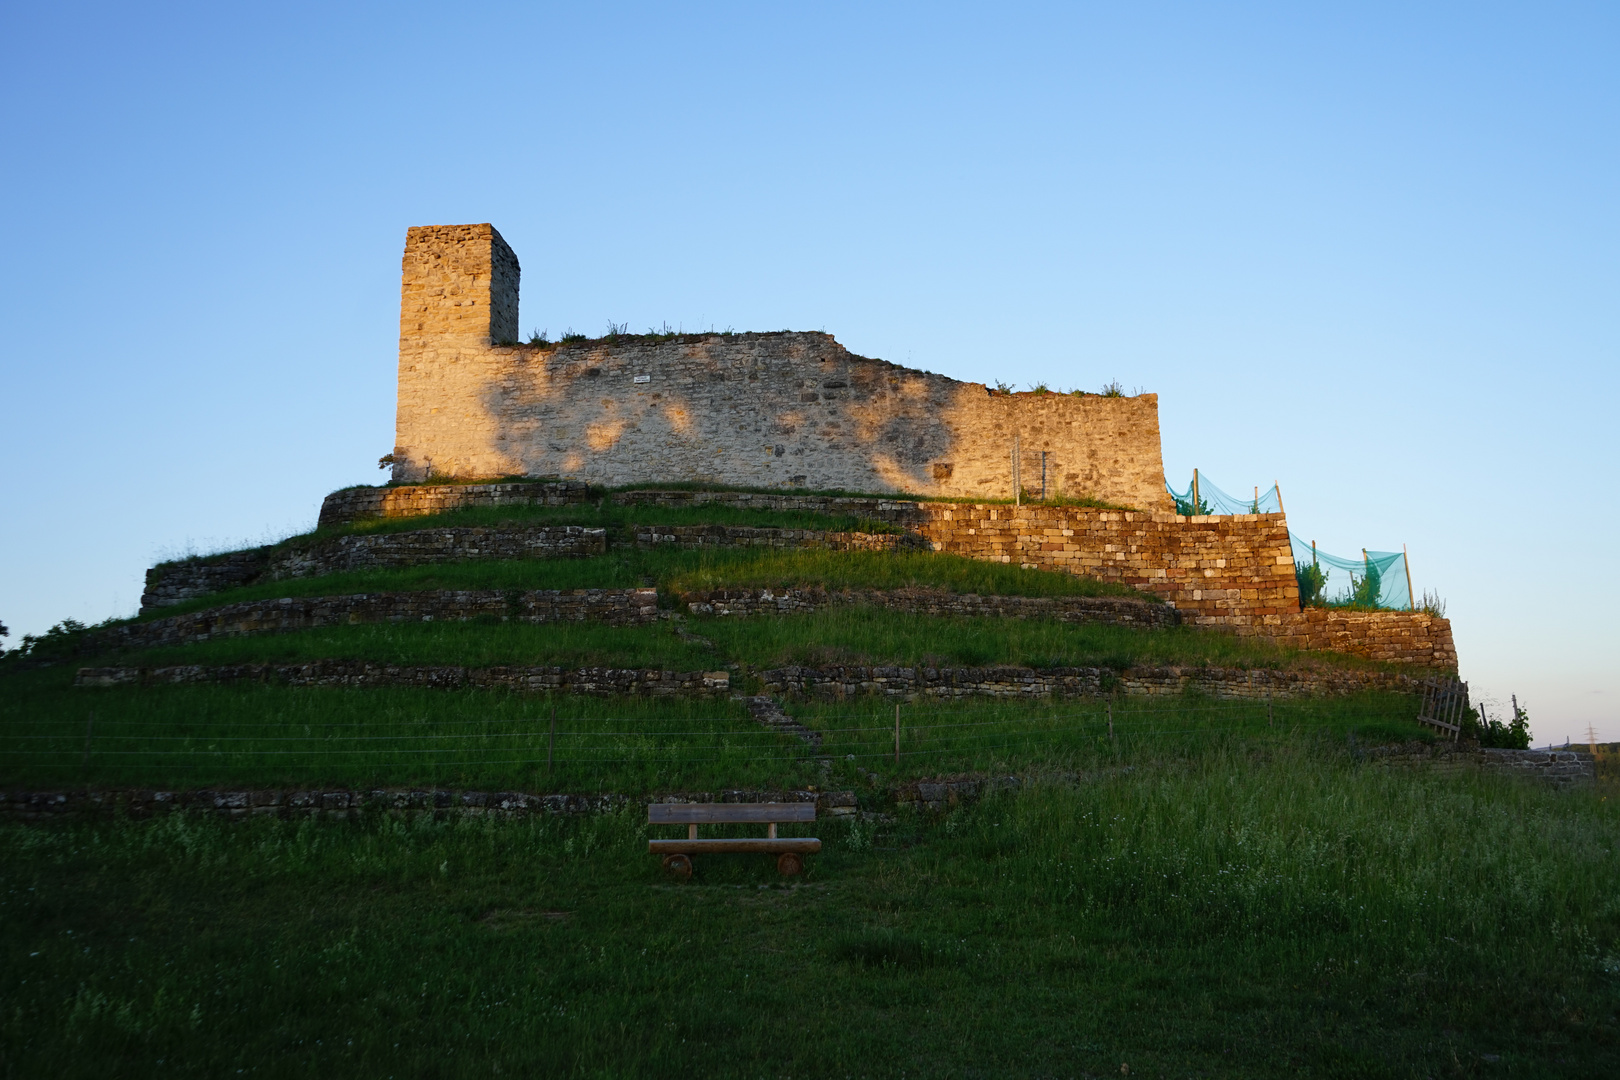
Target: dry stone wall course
419,500
696,537
177,583
1234,573
597,682
1107,610
1559,768
913,683
614,607
834,682
26,805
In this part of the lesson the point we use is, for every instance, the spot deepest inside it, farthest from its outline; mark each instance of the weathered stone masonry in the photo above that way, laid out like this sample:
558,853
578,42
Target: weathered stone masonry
612,607
771,410
340,803
839,681
177,583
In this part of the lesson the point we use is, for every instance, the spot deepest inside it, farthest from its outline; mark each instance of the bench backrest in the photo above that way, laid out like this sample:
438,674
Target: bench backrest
718,813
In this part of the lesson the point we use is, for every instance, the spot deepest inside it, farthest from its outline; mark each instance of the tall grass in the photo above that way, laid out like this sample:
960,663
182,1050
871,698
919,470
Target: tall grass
679,572
259,735
1224,915
265,735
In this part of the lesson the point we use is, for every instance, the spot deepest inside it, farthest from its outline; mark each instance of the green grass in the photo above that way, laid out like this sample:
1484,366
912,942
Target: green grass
1236,914
618,519
254,735
258,735
837,635
676,572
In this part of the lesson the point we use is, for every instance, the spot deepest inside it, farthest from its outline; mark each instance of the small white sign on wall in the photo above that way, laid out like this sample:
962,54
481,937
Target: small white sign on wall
643,378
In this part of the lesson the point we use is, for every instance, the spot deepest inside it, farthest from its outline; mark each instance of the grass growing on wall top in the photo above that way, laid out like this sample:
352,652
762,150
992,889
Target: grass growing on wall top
1234,915
847,635
611,516
675,572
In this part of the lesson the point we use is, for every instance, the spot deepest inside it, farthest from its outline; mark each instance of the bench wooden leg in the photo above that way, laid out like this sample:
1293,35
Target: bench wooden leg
789,863
678,865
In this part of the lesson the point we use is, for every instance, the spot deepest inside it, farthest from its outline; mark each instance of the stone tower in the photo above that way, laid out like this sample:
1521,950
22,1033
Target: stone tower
458,296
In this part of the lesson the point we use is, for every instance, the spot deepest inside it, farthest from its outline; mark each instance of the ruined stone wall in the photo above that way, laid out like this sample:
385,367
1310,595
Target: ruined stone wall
912,683
696,537
591,682
176,583
1097,610
1559,768
613,607
1234,572
837,681
1215,569
26,805
419,500
1405,637
762,410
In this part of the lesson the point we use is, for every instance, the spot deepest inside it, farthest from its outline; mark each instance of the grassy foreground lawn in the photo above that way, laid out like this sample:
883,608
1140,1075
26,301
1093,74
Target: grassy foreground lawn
1243,914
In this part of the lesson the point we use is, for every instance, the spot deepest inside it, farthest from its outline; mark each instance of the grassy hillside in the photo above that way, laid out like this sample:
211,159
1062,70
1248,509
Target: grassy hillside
1176,885
1233,914
245,734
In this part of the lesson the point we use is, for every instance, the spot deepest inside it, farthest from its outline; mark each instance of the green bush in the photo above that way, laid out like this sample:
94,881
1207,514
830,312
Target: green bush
1513,735
1312,580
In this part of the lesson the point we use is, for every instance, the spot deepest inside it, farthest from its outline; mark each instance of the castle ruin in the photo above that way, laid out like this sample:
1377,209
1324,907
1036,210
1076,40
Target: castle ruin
775,410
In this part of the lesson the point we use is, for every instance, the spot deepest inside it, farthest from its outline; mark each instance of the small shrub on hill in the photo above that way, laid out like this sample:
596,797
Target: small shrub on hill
1312,580
1513,735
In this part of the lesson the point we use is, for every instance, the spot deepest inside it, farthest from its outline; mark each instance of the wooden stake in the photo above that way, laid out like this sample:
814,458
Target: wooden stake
1278,489
1411,597
1110,719
1197,505
1018,481
89,726
551,746
897,733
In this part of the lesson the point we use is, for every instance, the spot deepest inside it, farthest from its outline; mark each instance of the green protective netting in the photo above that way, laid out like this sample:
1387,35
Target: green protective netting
1377,580
1212,500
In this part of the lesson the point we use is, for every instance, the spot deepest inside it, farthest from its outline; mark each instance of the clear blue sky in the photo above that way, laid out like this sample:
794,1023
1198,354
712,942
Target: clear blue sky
1371,253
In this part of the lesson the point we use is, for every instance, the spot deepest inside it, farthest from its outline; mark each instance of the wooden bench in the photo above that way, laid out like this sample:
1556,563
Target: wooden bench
789,851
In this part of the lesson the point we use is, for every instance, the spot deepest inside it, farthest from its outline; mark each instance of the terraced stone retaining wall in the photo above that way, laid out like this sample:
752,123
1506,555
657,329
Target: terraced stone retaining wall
339,803
363,503
1560,768
595,682
696,537
1233,572
612,607
907,683
176,583
1402,637
911,683
1106,610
